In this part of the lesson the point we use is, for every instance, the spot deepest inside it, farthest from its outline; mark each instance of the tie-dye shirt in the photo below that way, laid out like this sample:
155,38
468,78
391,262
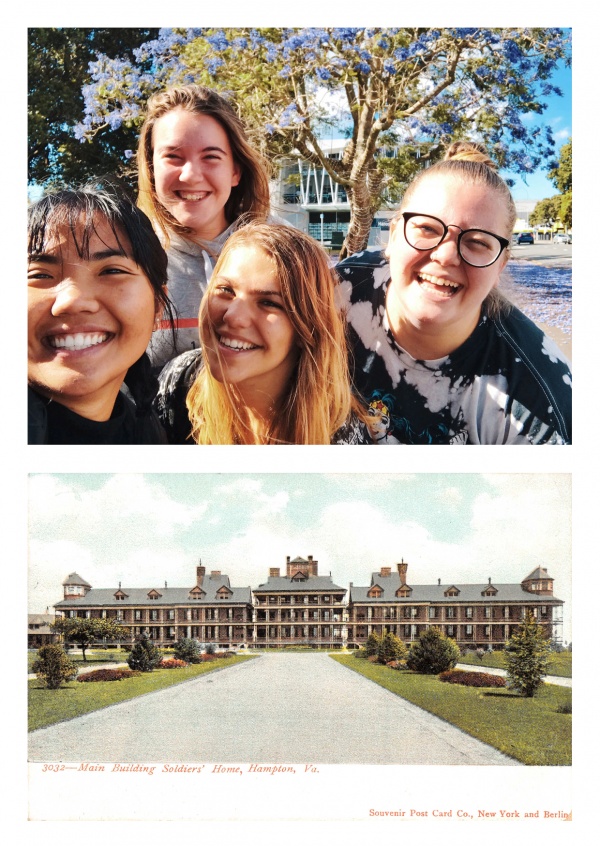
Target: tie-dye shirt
508,383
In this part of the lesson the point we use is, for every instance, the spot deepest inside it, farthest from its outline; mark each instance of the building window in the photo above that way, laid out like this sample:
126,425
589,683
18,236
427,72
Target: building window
469,613
487,612
137,615
171,614
469,630
450,613
154,614
432,613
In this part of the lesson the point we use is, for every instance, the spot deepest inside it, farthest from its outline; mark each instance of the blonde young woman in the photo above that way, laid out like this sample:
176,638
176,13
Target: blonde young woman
273,364
197,175
439,356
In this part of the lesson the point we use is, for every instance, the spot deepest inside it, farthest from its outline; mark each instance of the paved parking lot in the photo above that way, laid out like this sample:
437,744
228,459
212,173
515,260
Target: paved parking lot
276,708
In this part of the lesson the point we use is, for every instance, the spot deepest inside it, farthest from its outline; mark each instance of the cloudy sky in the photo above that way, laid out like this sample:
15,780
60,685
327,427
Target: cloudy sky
143,530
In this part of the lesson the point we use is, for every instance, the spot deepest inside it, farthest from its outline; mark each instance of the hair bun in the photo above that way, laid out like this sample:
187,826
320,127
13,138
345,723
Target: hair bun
469,151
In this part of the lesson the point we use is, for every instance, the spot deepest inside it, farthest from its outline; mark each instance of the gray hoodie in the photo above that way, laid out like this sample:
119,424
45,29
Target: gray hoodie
189,271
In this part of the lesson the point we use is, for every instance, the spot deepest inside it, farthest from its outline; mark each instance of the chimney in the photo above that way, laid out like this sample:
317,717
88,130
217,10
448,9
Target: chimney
214,574
489,580
287,559
200,573
165,583
310,558
385,571
402,569
273,572
119,585
439,581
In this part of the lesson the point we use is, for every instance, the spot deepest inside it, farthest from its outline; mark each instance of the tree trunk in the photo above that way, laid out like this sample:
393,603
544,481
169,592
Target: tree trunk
363,205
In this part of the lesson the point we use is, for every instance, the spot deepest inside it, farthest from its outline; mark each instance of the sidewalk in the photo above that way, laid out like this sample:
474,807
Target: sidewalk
494,671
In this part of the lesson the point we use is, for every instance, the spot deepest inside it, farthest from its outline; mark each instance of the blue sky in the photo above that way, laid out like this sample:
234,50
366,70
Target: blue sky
144,529
558,115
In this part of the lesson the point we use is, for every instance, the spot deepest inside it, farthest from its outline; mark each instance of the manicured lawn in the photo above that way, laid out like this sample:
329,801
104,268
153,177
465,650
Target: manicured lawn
76,698
560,662
529,730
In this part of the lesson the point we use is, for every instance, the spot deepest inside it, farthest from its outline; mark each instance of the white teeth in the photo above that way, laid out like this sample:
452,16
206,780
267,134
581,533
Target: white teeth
79,341
199,196
237,345
435,280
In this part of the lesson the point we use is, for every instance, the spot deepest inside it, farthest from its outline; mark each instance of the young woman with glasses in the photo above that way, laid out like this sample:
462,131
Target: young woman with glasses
439,355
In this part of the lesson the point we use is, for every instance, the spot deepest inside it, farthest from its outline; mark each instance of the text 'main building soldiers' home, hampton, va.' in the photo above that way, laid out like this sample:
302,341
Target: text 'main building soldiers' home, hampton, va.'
302,608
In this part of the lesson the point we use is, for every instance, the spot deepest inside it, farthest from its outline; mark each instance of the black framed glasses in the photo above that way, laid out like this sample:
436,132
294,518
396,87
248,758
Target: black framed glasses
476,247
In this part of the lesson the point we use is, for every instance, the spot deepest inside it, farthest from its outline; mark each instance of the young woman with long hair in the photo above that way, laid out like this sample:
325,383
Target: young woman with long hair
197,174
273,366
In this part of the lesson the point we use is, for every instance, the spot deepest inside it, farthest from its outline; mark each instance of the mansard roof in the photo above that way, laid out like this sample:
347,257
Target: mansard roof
291,585
469,593
106,597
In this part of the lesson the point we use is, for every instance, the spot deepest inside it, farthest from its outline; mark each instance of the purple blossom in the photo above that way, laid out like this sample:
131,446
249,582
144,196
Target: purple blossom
218,41
323,73
362,67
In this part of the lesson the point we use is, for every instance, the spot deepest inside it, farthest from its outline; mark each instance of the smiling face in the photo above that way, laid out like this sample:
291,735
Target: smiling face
194,170
257,349
434,299
89,320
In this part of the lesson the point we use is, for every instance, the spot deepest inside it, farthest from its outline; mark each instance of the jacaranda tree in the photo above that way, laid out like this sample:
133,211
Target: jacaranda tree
411,89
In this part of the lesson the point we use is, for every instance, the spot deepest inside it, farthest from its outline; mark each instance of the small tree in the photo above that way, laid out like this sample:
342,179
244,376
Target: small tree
372,644
144,656
527,655
391,648
187,649
433,653
85,631
53,666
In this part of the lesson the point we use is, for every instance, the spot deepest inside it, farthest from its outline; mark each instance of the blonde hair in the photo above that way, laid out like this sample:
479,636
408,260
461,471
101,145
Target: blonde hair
469,161
250,197
319,399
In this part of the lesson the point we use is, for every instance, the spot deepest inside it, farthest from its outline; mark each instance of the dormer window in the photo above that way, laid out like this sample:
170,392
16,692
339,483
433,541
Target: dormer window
154,594
451,591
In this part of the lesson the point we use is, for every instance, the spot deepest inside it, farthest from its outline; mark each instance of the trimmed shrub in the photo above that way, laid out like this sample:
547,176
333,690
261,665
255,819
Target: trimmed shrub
433,653
108,674
53,666
144,656
391,648
187,649
372,644
472,679
172,664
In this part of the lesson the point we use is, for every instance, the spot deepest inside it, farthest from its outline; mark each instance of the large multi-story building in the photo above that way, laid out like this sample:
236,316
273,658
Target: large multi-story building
302,608
485,614
210,611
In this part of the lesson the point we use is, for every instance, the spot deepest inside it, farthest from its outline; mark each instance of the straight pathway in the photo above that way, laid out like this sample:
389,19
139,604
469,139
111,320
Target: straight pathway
276,708
562,681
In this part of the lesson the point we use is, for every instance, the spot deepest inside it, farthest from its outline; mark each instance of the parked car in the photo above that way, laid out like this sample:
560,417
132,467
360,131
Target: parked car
562,238
525,238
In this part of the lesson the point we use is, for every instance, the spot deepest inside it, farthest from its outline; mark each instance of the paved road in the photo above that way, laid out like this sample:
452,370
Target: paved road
278,709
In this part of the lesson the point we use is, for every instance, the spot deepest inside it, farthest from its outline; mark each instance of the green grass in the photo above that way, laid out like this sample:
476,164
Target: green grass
560,662
529,730
74,698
